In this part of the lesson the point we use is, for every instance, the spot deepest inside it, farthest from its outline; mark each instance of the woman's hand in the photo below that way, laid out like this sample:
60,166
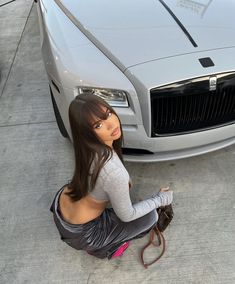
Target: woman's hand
162,189
163,197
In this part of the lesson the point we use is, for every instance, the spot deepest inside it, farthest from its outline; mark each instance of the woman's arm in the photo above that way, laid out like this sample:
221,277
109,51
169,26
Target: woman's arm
117,188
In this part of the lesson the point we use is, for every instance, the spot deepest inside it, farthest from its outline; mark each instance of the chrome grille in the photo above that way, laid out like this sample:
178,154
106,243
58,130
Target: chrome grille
189,106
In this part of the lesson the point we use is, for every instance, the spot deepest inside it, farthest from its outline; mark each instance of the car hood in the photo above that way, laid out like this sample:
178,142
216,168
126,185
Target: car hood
135,31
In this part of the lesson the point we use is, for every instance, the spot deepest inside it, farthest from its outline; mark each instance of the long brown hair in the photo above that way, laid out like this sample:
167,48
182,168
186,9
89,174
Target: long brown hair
90,152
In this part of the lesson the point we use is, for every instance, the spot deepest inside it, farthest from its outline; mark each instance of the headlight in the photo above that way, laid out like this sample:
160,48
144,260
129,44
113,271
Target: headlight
115,98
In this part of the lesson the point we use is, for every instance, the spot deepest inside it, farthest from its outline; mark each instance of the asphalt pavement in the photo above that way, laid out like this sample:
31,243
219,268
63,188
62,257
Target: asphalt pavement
35,161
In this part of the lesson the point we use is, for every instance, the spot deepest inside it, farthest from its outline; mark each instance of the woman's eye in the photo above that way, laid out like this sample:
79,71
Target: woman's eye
109,114
98,126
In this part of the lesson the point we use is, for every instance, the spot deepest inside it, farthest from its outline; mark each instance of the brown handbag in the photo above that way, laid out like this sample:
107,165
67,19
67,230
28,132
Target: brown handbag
165,216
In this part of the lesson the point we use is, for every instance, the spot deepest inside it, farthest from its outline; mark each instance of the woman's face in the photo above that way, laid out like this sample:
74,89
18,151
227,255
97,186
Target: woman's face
107,129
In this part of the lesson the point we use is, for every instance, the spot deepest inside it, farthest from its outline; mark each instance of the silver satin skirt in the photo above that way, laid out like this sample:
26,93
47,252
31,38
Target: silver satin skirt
102,236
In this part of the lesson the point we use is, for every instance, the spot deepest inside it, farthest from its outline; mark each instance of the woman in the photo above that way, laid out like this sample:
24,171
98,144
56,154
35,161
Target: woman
80,207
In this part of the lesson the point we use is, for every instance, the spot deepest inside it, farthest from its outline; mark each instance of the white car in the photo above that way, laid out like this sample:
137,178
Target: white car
167,67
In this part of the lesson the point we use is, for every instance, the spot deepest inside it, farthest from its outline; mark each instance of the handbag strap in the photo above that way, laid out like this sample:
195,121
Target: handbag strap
161,240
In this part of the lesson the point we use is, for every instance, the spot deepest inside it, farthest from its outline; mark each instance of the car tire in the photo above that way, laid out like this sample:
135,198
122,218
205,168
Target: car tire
59,120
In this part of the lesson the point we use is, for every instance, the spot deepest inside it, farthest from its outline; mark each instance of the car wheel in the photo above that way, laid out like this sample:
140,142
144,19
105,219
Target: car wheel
59,120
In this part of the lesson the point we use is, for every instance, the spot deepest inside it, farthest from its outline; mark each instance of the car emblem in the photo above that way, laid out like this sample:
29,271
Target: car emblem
212,83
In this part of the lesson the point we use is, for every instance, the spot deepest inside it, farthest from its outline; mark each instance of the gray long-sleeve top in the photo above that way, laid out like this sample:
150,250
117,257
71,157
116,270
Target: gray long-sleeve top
113,185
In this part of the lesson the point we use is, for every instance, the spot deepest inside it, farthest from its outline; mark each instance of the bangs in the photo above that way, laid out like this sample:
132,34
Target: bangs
96,112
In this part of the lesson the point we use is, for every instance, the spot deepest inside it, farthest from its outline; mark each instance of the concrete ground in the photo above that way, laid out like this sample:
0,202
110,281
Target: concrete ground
35,161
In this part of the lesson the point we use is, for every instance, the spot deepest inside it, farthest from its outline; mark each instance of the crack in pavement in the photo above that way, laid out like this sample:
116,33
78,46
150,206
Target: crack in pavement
17,48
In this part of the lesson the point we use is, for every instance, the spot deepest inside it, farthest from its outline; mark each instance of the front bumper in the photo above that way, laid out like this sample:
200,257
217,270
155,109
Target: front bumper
176,147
